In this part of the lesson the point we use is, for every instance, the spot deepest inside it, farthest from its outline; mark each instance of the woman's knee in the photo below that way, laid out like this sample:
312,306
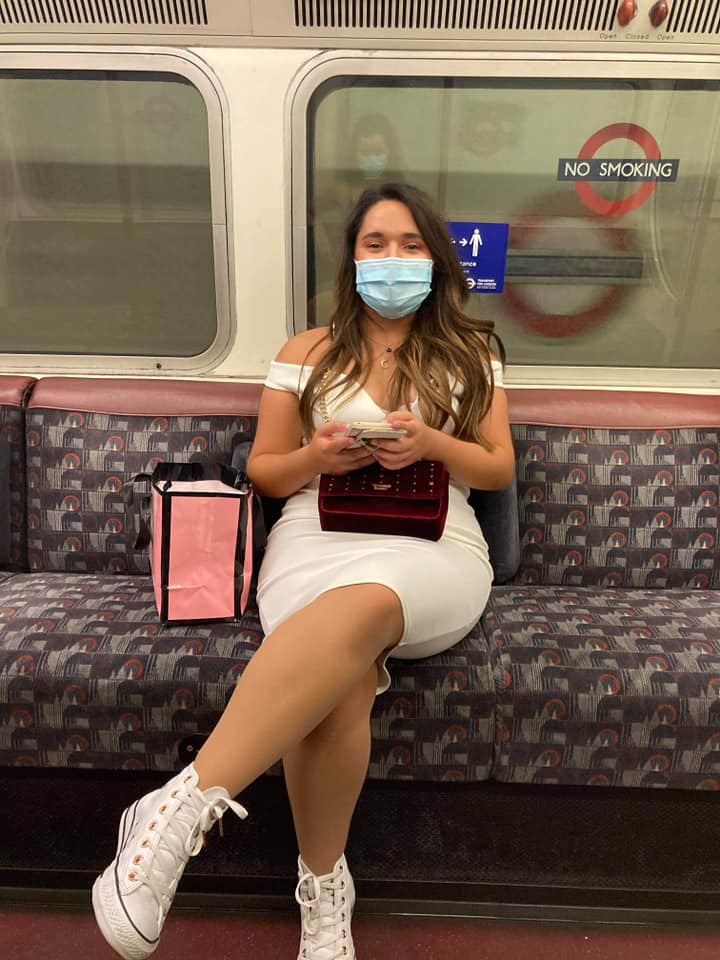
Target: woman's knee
378,608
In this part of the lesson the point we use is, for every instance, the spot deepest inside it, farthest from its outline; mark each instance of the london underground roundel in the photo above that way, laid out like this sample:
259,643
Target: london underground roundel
557,222
617,131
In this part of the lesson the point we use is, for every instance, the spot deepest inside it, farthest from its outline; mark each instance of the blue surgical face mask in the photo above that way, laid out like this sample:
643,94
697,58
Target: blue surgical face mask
393,286
371,165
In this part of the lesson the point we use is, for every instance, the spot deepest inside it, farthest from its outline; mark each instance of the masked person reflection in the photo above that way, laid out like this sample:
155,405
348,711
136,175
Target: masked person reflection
374,152
335,605
371,155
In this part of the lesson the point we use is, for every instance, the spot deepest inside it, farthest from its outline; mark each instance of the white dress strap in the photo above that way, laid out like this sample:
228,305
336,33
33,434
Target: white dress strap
497,370
290,377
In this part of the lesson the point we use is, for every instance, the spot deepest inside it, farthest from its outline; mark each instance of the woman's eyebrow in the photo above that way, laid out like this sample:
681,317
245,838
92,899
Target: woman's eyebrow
379,234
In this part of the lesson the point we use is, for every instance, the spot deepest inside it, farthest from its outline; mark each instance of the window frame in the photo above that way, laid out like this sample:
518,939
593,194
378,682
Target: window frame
151,60
490,65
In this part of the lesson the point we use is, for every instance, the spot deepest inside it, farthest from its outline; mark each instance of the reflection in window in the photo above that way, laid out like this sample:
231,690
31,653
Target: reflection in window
603,282
106,215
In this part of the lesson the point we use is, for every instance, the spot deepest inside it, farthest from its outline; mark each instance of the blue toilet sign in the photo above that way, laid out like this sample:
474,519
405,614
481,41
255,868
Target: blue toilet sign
481,249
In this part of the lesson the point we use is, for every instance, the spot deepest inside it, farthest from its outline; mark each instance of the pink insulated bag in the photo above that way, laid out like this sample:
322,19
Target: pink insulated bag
201,545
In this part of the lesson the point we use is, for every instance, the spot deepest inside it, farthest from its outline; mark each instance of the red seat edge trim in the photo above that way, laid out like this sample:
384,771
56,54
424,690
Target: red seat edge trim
14,389
147,397
613,409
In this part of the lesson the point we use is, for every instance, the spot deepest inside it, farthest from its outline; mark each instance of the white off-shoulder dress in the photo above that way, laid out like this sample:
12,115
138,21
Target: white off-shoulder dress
442,585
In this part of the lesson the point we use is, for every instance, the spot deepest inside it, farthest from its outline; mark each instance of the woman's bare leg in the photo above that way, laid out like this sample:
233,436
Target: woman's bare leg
324,774
302,670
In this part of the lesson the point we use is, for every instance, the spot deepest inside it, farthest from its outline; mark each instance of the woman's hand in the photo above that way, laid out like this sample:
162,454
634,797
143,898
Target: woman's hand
338,455
403,451
469,463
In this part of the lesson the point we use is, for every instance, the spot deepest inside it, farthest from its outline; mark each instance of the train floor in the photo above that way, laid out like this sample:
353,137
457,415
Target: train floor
463,871
41,932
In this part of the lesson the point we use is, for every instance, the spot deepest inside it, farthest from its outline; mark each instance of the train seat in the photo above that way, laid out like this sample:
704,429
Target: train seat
606,647
596,661
94,679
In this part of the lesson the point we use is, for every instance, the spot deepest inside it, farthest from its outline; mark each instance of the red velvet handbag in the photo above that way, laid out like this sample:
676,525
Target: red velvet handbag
411,502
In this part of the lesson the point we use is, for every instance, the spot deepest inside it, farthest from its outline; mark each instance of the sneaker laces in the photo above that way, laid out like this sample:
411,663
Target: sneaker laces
323,919
181,835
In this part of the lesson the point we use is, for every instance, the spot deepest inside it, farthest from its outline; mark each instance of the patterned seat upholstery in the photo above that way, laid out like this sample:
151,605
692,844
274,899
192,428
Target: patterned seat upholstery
13,484
91,679
617,508
86,438
598,664
607,687
606,650
437,720
89,676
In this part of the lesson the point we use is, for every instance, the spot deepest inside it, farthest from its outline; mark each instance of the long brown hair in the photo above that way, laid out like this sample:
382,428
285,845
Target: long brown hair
444,343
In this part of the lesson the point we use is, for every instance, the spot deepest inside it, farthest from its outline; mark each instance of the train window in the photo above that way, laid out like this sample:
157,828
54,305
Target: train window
608,185
113,219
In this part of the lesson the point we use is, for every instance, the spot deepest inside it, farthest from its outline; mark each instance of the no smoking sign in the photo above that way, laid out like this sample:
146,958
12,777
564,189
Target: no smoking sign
585,169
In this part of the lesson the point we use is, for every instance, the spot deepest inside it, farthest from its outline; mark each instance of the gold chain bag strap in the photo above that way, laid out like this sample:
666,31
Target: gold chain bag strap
410,502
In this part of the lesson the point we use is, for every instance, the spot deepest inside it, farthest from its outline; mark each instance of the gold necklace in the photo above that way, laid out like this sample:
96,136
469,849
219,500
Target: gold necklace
386,356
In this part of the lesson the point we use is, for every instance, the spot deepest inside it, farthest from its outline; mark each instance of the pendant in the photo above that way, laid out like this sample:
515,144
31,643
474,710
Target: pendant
384,363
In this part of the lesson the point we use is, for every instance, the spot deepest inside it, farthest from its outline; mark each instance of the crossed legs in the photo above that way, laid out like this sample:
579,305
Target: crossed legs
306,696
324,775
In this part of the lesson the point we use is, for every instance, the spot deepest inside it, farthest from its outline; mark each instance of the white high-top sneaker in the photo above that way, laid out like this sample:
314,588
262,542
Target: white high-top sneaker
326,906
158,835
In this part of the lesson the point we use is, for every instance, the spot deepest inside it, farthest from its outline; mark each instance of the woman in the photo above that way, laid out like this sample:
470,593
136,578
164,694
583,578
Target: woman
334,605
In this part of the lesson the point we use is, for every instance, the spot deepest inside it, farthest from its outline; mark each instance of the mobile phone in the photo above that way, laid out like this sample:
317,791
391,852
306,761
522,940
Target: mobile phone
372,430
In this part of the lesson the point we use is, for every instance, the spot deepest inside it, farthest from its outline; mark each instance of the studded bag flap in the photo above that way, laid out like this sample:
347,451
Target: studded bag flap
411,502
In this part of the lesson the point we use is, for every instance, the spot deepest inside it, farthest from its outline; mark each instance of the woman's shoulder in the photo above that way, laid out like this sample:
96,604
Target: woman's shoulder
304,348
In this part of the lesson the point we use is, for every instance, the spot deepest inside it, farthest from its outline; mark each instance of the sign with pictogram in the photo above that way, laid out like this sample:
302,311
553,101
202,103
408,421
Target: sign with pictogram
482,250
